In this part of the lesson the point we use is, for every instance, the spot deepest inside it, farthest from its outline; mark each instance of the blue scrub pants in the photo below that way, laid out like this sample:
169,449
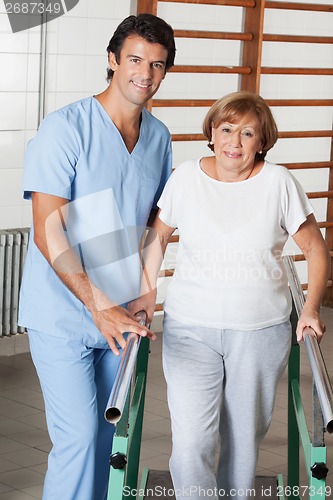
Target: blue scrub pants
221,383
76,381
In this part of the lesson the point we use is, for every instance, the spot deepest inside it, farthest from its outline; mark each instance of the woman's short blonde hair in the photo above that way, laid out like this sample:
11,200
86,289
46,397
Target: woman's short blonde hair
234,108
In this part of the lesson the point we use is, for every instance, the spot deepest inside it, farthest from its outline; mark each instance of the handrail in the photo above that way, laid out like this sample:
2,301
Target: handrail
118,395
318,367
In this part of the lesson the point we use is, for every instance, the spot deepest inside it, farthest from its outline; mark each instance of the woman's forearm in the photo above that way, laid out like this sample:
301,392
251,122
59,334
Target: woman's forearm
318,268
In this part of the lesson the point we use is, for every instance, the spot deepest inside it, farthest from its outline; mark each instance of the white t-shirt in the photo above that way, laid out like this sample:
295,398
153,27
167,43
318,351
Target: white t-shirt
229,272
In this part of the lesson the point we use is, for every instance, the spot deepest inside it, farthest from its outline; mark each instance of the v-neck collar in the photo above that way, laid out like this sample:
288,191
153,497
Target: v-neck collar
139,146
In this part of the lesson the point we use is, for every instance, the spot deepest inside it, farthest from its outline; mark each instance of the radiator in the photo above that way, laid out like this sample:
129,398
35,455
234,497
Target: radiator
13,249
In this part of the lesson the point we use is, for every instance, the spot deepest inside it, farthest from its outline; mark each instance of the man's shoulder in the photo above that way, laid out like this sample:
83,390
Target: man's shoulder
63,120
82,106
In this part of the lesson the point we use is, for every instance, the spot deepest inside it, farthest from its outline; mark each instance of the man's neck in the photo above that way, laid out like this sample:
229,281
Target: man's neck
126,116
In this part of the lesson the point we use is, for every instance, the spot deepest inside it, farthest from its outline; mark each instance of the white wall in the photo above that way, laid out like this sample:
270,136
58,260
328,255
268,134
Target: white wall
76,65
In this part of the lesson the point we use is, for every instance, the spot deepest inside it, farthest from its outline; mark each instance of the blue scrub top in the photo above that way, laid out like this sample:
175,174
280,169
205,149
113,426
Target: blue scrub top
79,154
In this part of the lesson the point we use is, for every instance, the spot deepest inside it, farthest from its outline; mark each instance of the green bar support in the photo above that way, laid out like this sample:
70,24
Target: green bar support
117,478
127,438
312,454
143,484
301,422
293,434
317,487
280,486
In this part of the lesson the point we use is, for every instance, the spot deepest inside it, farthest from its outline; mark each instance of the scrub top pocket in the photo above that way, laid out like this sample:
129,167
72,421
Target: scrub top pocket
148,189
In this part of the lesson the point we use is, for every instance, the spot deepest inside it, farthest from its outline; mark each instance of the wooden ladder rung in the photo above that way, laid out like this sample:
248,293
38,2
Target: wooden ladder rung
305,133
299,102
297,38
320,194
188,137
229,3
296,71
215,35
187,103
298,6
241,70
282,135
318,164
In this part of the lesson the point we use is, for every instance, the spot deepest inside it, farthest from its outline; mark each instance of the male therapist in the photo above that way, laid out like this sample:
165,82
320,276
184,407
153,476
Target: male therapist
94,172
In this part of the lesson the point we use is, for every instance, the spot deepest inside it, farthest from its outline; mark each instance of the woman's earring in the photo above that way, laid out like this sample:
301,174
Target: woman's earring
260,152
211,143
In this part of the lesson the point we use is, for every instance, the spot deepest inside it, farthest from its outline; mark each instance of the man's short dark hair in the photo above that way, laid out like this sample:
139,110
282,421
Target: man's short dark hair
151,28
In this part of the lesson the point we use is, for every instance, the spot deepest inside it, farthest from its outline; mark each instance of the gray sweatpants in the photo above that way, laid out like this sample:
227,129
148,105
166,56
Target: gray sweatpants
220,382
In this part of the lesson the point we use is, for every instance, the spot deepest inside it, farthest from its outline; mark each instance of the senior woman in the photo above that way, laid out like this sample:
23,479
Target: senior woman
227,333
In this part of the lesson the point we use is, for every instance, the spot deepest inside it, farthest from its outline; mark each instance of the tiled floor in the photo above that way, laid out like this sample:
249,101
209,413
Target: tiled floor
24,441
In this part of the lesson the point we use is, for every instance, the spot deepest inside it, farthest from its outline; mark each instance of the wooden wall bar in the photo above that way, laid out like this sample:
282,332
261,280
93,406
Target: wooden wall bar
230,3
171,103
241,70
329,232
216,35
252,49
297,71
297,38
314,7
282,135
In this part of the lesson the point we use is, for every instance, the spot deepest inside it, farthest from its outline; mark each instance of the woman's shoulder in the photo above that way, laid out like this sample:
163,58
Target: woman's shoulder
186,168
277,171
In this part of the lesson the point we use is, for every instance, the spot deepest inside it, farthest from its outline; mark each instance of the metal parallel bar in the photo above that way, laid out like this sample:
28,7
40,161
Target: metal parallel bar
319,371
120,388
321,379
118,395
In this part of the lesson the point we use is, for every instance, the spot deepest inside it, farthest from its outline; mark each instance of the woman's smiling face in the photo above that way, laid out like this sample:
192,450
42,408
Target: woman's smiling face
236,144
